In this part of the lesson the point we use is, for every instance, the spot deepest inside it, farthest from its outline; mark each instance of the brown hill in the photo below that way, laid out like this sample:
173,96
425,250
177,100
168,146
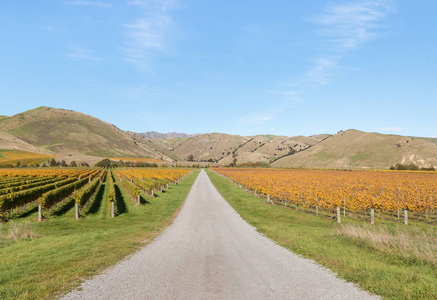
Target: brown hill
158,135
266,148
72,135
357,149
211,146
68,133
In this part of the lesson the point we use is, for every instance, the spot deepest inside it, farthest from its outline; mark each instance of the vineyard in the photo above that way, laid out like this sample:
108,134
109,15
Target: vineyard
391,195
21,158
23,191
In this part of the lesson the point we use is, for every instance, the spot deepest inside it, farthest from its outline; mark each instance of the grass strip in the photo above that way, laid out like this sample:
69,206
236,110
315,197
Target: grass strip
68,251
391,275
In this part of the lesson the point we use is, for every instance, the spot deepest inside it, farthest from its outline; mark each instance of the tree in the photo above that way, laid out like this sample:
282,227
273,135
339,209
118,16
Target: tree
104,163
190,157
73,164
53,162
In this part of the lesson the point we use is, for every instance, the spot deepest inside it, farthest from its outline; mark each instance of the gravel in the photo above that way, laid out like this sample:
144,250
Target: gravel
210,252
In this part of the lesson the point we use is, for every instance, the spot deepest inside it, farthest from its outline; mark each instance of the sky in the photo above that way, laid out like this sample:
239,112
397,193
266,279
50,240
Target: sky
239,67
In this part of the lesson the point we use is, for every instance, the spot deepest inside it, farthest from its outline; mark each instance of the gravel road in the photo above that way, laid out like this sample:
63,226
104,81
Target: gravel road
210,252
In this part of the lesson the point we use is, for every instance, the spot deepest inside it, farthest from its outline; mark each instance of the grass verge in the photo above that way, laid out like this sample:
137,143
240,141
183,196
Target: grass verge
389,273
67,251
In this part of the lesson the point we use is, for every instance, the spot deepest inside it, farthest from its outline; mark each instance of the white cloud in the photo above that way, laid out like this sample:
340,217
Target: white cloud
291,96
162,5
348,25
89,3
80,52
395,129
345,27
256,119
149,34
323,70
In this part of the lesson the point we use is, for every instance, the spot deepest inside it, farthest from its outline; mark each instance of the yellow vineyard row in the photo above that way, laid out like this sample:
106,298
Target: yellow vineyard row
355,190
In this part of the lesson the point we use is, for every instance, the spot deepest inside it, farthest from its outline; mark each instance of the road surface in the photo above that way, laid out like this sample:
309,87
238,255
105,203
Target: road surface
210,252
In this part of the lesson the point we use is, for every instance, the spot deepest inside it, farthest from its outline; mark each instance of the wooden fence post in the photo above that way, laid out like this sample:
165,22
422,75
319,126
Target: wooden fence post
372,216
338,214
406,216
39,213
138,199
112,209
344,207
76,207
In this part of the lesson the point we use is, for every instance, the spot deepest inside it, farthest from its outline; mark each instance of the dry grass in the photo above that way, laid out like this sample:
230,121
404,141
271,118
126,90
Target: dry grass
137,159
411,243
15,231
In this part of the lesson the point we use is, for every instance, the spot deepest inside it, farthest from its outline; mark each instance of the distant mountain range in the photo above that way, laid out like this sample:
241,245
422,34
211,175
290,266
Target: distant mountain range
75,136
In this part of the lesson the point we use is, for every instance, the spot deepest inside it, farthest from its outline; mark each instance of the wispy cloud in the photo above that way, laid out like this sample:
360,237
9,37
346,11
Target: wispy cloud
149,34
345,27
350,24
162,5
89,3
393,129
256,119
291,96
80,52
323,70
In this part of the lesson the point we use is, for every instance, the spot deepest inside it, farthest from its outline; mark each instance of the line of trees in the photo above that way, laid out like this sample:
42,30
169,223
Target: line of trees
411,167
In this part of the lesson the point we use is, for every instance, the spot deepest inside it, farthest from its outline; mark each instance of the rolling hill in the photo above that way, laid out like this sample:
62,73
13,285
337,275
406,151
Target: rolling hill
71,135
154,134
211,146
68,133
357,149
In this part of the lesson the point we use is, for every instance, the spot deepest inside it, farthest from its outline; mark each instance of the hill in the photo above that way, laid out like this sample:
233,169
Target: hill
266,148
158,135
69,133
357,149
211,146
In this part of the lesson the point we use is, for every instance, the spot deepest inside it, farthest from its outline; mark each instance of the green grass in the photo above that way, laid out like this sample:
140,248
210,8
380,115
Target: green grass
359,157
324,156
68,251
390,275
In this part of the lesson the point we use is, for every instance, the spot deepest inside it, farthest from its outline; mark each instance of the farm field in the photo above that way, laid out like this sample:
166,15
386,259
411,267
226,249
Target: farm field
21,158
389,259
399,196
70,249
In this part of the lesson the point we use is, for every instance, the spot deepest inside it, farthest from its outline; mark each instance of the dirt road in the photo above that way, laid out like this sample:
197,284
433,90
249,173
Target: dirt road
209,252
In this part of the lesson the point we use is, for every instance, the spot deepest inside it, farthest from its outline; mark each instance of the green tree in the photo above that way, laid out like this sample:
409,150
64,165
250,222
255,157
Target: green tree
53,162
104,163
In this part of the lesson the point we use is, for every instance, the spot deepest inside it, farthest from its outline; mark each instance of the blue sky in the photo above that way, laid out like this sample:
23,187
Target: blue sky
239,67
